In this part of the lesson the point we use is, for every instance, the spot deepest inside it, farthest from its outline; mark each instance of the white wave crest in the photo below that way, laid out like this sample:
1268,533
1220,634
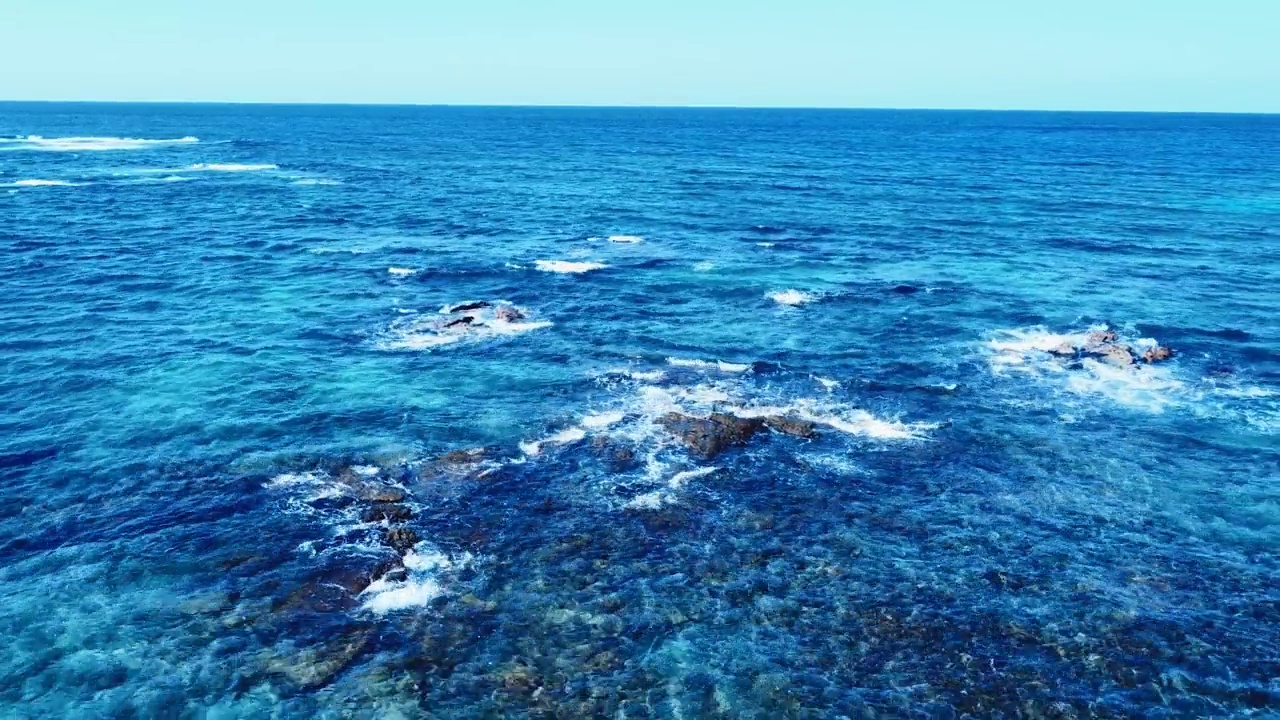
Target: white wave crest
41,183
401,272
626,239
87,144
791,298
568,267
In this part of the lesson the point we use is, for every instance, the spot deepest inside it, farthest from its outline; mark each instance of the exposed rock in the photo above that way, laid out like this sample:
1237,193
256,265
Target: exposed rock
1097,339
791,426
391,512
1117,355
508,313
465,320
401,539
1156,354
466,307
711,435
1066,349
381,494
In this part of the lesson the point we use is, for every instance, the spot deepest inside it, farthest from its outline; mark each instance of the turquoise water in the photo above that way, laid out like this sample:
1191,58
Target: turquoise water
229,390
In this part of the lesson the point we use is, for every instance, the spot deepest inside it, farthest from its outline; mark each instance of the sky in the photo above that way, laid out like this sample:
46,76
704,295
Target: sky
1170,55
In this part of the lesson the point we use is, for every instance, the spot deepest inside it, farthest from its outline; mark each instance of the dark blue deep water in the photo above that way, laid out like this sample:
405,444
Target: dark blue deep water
255,463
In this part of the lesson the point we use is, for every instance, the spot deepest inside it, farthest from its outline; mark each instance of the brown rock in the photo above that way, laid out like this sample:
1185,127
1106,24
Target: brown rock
401,539
711,435
462,457
381,494
791,426
1157,354
1117,355
391,512
1098,338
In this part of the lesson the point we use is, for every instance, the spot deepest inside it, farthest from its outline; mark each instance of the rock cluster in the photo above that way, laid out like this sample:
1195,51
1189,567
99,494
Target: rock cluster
708,437
1105,346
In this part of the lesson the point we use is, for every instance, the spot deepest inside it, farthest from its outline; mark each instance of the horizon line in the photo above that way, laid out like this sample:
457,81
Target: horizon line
572,106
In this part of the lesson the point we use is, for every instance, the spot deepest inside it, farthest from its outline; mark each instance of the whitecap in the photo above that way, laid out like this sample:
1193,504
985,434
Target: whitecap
564,437
626,239
401,272
567,267
667,495
790,297
704,266
231,167
316,181
414,331
708,364
766,244
41,183
853,422
87,144
827,383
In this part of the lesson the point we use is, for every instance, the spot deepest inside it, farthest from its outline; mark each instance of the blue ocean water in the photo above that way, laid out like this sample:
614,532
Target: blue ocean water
260,459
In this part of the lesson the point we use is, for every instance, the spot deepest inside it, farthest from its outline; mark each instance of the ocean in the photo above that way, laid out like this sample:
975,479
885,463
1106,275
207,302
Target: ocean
395,412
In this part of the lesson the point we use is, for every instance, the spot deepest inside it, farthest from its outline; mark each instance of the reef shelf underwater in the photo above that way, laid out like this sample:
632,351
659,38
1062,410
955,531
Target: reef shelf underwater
445,412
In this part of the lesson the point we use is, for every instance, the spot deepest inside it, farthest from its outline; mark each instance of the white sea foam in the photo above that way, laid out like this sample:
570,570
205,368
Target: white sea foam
401,272
231,167
1026,353
567,267
386,597
365,470
827,383
626,239
87,144
41,183
564,437
791,297
602,420
667,495
704,266
855,421
766,244
708,364
316,181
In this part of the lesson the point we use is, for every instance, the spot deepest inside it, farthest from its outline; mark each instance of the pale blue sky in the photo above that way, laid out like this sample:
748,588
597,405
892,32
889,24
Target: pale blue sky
1079,54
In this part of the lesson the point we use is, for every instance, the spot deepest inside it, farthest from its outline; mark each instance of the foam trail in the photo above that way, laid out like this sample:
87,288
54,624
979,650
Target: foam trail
87,144
707,364
231,167
567,267
626,239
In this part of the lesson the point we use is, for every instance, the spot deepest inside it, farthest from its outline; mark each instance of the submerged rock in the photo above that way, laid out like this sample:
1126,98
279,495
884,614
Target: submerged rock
317,666
791,426
711,435
1157,354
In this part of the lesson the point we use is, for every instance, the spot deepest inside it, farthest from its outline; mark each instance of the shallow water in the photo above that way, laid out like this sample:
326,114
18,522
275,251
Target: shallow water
228,374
